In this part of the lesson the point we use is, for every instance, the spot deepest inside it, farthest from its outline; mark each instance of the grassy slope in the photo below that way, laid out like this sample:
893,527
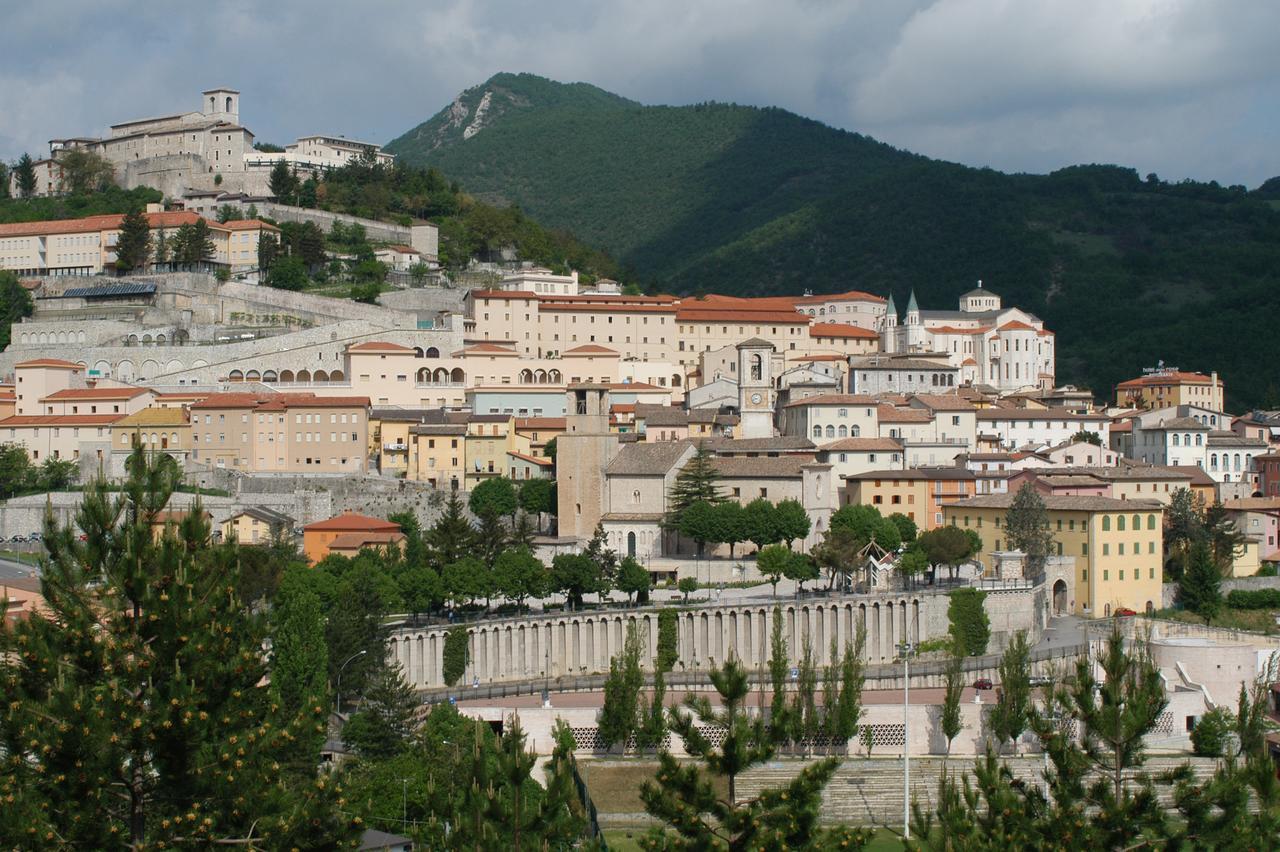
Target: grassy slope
741,200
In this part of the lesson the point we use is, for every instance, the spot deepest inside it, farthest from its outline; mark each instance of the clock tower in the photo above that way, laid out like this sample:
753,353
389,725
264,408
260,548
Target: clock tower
755,388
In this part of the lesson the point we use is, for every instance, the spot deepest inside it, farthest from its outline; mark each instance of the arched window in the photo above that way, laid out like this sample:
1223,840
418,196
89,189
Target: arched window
417,351
1237,465
431,352
817,431
1213,461
831,431
1186,439
844,431
457,376
1199,439
757,367
855,431
1175,439
1119,523
1151,522
1106,523
228,103
1137,522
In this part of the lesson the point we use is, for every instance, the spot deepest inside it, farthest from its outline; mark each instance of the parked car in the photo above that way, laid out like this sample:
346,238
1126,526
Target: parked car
1039,680
33,537
1124,612
17,538
982,683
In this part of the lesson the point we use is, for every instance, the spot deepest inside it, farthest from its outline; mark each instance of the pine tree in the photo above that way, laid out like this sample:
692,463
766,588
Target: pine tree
695,483
137,712
282,182
200,248
604,559
161,254
1027,527
452,536
563,817
1200,588
25,175
385,721
683,797
134,244
268,251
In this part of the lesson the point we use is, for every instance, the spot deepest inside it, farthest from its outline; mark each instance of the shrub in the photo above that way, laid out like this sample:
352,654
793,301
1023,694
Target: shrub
668,636
1254,599
1209,736
969,623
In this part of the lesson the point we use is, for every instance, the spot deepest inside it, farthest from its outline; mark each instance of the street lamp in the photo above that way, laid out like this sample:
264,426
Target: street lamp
338,689
905,650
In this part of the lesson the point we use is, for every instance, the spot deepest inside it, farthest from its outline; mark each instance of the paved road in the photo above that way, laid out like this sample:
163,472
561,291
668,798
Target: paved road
10,570
1063,631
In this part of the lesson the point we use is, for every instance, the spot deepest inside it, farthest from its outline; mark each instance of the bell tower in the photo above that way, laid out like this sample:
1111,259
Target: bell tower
755,388
583,451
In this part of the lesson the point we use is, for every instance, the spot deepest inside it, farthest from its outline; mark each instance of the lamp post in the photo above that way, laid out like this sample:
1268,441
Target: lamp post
338,688
905,650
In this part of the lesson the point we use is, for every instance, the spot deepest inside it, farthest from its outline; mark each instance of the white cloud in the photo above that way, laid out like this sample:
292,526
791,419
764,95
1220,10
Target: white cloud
1181,87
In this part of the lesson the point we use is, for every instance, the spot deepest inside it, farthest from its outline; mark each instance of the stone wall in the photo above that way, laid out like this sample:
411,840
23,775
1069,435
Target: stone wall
422,236
1169,591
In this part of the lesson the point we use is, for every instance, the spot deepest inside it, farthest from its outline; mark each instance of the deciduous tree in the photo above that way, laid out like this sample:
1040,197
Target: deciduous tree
1027,528
792,521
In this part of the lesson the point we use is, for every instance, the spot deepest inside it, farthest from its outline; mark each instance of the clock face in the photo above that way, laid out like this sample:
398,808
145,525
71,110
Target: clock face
755,399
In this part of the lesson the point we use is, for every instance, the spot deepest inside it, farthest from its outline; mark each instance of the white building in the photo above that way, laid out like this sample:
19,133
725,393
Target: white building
1006,348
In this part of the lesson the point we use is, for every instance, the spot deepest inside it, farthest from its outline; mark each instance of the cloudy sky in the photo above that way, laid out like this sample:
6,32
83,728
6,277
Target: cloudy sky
1185,88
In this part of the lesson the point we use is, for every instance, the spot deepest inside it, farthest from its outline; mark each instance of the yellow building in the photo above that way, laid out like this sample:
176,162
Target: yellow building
257,525
159,429
1170,388
1118,545
438,454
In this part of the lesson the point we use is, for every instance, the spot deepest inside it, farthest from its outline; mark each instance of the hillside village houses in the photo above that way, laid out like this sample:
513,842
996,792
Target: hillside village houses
828,400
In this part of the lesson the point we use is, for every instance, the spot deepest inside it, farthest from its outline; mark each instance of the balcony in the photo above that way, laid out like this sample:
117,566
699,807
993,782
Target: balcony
395,447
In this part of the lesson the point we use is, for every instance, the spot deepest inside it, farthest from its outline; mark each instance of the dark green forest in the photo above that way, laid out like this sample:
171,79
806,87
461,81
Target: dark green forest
1127,269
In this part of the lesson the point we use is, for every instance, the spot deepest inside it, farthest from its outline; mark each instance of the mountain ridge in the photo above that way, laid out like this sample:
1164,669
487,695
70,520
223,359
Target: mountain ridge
758,200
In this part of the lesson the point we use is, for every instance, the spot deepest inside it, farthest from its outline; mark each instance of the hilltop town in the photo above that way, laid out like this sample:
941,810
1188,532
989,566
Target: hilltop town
462,457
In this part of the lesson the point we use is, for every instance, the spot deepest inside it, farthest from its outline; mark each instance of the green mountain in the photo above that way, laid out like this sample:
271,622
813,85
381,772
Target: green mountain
743,200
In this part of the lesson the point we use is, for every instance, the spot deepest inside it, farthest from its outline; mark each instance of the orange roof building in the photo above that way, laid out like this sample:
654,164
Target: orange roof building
351,531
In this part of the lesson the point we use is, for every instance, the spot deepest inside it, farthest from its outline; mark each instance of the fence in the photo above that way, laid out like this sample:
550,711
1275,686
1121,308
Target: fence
923,674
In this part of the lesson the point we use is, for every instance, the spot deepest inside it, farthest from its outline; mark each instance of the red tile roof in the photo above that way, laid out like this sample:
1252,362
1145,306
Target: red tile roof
503,294
531,459
112,222
244,225
96,393
1170,378
278,401
49,362
543,422
488,349
358,540
850,295
861,444
590,349
59,420
833,399
951,329
352,522
1015,325
378,346
703,314
890,414
836,329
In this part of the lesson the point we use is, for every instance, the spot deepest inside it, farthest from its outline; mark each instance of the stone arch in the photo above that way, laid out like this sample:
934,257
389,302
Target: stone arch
423,376
540,377
286,375
417,352
440,376
124,370
431,352
304,376
181,337
150,369
147,340
337,376
555,377
526,376
320,376
253,376
457,376
270,376
676,379
131,340
173,366
160,339
1059,596
235,376
102,367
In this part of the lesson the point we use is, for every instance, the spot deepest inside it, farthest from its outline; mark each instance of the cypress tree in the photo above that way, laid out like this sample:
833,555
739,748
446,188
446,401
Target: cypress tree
25,175
134,243
382,727
1027,526
1011,714
695,483
954,689
1200,587
299,656
452,536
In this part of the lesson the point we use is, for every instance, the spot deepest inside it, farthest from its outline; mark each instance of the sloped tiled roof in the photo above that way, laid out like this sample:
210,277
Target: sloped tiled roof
837,329
1059,503
352,522
50,362
648,459
378,346
96,393
854,445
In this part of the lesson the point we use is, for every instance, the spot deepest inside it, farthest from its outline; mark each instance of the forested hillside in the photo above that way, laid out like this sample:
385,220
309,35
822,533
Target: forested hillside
732,199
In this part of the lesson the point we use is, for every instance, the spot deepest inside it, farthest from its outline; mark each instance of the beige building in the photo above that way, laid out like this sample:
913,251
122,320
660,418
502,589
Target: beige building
1118,545
87,246
165,430
257,525
284,433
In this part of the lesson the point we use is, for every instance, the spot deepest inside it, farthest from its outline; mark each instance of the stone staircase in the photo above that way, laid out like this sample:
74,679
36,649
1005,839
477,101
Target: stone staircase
869,791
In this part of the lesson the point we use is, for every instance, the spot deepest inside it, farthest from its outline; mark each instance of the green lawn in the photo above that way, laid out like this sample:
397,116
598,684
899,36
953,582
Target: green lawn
27,558
1257,620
